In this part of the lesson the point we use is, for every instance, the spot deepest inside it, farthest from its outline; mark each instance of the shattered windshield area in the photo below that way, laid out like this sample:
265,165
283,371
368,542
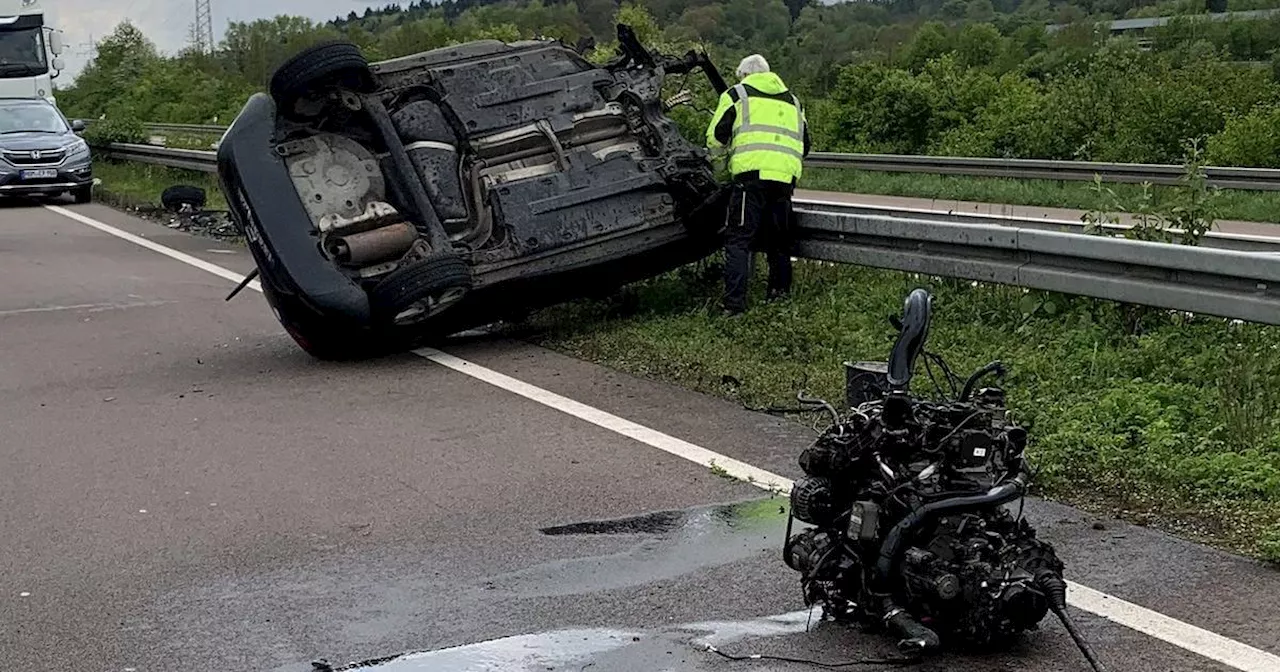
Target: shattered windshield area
22,52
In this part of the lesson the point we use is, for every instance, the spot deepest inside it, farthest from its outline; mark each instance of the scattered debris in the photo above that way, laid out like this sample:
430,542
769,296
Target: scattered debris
215,224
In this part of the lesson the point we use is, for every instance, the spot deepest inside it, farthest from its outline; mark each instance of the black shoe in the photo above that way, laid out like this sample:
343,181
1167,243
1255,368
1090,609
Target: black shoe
731,312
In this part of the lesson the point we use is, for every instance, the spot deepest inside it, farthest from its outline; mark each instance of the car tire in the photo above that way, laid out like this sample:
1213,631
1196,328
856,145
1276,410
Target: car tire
325,64
421,290
173,198
82,195
318,339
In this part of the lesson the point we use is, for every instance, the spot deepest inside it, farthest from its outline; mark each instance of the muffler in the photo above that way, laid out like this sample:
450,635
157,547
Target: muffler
371,247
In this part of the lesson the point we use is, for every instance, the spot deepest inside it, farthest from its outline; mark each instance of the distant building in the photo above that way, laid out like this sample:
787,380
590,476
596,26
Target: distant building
1140,26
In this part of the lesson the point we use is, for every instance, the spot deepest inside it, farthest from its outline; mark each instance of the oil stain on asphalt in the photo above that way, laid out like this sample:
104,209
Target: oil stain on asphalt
669,544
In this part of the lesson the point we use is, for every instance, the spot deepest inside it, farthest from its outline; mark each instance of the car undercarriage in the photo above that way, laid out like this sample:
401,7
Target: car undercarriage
393,202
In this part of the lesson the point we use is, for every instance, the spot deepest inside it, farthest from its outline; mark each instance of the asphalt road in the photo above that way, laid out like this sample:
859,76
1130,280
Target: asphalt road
181,488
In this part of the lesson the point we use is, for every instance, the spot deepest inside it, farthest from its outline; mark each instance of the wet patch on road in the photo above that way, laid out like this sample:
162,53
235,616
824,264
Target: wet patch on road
669,544
683,647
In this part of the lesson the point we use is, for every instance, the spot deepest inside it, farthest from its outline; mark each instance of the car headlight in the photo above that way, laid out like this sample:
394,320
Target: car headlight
77,150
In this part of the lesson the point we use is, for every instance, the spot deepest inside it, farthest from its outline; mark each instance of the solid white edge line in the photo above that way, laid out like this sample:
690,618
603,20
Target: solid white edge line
1197,640
154,246
1211,645
599,418
1184,635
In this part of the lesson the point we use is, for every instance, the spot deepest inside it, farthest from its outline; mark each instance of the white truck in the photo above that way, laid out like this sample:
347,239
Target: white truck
30,51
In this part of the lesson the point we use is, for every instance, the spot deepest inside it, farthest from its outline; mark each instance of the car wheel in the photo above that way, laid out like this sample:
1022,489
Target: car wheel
326,64
83,194
316,338
421,290
173,198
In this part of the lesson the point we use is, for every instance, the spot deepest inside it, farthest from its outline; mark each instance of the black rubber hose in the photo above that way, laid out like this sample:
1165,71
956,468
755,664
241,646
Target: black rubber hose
915,637
895,541
1055,589
979,375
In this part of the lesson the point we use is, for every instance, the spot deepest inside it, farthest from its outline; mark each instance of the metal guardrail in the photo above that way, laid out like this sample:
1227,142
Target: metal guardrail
189,159
1216,279
1224,283
1253,179
1213,239
186,128
1225,177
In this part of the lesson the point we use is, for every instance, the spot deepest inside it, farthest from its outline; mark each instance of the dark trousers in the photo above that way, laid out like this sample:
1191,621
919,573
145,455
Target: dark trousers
759,220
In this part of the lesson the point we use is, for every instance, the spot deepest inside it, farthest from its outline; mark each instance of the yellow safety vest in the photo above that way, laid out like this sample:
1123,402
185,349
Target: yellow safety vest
768,131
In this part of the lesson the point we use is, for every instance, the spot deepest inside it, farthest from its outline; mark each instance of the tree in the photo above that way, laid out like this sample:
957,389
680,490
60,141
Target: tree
978,45
930,42
954,9
980,10
255,49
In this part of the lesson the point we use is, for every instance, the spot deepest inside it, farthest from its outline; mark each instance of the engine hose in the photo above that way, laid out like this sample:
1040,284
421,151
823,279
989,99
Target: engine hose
915,637
895,541
1055,590
978,375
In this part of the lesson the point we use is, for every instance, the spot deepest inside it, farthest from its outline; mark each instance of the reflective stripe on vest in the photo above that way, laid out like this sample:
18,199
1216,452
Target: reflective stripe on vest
768,137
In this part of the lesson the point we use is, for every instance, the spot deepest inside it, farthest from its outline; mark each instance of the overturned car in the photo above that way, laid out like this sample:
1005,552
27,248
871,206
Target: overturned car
389,203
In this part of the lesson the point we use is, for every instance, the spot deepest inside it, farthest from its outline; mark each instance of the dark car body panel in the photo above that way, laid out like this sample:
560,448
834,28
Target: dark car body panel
577,207
256,182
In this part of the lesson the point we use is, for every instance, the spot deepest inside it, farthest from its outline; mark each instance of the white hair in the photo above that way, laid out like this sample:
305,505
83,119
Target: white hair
751,65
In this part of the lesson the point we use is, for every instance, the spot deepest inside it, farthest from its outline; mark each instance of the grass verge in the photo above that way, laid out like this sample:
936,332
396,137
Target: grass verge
129,184
1173,424
1251,206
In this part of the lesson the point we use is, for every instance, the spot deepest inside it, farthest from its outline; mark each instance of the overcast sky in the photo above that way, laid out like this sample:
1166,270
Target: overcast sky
167,22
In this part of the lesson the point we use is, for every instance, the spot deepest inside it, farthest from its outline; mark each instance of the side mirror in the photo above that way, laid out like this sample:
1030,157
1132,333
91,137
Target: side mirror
55,44
77,126
59,64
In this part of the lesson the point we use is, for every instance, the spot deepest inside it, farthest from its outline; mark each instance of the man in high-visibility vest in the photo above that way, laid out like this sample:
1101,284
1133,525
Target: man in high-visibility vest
763,126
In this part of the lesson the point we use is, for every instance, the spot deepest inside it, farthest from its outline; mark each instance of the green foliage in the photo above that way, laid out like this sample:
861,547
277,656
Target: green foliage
1184,216
106,131
1181,417
1250,140
128,184
1269,546
974,77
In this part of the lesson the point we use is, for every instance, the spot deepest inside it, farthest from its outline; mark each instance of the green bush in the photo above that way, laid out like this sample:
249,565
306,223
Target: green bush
1269,545
1251,140
106,131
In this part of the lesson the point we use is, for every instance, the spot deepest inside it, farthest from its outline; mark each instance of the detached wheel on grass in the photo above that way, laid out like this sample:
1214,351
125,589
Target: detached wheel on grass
336,64
173,198
415,293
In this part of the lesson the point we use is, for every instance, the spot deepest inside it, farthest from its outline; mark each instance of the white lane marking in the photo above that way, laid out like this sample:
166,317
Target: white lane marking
88,307
1184,635
613,423
154,246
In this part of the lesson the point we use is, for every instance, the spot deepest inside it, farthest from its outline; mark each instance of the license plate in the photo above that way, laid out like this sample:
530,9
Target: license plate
39,174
